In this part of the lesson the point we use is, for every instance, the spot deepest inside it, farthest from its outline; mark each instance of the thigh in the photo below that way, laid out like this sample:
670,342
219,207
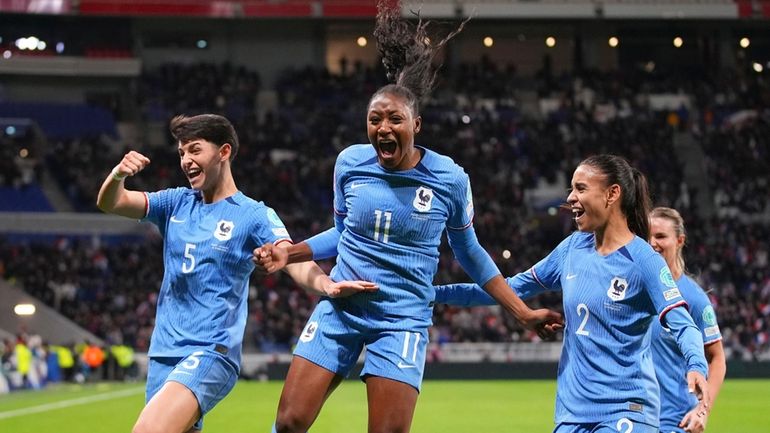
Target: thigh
305,390
391,405
206,375
172,409
329,342
397,355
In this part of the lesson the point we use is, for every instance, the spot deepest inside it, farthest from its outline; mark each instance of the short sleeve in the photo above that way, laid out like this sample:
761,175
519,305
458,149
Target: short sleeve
704,316
160,204
340,208
660,285
269,227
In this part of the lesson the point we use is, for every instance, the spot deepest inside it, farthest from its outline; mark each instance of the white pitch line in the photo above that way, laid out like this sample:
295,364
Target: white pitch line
68,403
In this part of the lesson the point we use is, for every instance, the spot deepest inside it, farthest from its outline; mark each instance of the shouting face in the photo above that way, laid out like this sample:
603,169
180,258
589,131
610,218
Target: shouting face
391,127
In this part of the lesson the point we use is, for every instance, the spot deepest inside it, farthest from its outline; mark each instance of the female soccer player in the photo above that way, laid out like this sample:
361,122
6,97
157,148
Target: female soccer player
210,231
392,202
613,284
679,409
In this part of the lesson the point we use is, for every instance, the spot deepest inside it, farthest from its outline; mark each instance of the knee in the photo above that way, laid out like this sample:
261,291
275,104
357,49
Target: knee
289,421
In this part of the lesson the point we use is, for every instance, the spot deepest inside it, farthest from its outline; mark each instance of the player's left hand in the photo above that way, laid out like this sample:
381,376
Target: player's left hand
695,420
347,288
698,385
545,322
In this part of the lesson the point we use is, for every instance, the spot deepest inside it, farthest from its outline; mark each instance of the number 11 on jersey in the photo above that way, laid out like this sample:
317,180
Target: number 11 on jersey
378,214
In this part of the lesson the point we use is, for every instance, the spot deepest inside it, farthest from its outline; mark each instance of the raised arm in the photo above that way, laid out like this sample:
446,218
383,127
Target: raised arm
114,197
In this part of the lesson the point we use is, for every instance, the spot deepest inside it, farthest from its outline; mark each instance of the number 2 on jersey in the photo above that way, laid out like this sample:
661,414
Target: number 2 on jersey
378,214
581,329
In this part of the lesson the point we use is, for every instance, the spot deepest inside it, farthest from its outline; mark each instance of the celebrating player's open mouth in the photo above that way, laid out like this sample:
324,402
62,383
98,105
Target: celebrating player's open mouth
387,148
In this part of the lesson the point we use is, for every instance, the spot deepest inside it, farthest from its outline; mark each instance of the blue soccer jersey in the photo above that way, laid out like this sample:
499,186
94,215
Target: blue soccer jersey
606,369
207,253
670,366
393,224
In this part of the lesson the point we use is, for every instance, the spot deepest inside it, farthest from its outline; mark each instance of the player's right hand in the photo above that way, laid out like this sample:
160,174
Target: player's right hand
132,163
269,259
545,322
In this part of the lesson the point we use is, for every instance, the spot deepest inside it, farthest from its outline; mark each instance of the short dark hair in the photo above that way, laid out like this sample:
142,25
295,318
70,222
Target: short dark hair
209,127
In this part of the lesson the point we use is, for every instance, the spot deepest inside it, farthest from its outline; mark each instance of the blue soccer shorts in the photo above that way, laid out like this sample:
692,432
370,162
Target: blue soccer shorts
335,344
622,425
209,375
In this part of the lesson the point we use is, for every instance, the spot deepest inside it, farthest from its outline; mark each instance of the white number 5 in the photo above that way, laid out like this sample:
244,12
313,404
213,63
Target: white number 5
192,361
186,269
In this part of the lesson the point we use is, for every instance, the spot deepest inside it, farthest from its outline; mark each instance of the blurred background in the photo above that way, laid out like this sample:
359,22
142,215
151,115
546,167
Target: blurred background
529,89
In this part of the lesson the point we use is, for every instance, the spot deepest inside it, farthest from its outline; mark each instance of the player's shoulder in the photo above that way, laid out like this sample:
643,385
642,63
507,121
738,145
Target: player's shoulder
640,250
443,168
356,154
692,292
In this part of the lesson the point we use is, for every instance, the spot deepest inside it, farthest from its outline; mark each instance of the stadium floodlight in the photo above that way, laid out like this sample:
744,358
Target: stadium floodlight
24,309
745,42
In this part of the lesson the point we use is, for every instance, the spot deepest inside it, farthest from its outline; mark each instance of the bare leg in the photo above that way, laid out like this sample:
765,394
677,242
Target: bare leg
307,387
174,409
391,405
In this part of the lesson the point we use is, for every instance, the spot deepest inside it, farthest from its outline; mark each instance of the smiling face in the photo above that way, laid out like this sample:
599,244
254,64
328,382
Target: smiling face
664,239
202,162
391,127
590,199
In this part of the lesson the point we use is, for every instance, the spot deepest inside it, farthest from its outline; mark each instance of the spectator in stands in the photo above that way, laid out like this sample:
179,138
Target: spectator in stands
392,201
210,231
612,283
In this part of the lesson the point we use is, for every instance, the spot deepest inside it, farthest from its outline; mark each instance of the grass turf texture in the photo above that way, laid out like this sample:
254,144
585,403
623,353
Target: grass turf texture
444,406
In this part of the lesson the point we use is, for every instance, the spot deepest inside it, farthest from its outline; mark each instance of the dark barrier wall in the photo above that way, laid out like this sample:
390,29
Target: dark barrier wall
520,370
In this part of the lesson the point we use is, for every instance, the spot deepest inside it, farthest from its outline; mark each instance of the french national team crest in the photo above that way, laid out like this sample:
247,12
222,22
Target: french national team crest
224,230
617,290
423,198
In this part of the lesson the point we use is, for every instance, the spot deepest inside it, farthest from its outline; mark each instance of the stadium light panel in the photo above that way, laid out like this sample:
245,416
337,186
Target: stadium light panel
24,309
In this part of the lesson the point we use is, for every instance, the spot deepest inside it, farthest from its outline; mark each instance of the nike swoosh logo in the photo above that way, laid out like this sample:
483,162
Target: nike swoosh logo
181,372
174,220
401,365
571,276
356,185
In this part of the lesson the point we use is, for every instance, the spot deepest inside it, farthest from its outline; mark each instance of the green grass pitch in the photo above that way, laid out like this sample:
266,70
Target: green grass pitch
443,407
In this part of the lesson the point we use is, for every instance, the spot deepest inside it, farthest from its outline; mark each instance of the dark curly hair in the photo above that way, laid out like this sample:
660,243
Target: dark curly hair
408,53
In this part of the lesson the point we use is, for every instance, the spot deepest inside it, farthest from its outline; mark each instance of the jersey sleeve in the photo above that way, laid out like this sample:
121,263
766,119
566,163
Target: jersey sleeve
340,208
545,275
461,207
660,285
160,204
705,317
269,227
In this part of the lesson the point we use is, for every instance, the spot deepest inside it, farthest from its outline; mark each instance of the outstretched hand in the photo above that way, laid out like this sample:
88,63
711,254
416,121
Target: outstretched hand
269,259
545,322
347,288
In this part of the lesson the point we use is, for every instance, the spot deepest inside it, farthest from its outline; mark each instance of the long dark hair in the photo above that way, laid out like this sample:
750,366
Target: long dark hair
635,202
408,54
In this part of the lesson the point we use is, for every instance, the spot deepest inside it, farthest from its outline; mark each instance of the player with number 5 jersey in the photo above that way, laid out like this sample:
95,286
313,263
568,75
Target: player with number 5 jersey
613,286
209,231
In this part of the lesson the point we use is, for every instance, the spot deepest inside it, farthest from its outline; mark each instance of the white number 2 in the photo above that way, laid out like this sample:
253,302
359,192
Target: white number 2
192,361
581,329
186,269
624,422
378,214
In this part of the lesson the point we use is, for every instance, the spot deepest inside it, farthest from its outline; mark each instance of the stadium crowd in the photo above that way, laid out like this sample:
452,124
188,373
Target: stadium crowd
476,116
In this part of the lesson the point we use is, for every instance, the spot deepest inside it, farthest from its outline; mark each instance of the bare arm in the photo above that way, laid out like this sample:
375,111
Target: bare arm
114,197
695,420
311,277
